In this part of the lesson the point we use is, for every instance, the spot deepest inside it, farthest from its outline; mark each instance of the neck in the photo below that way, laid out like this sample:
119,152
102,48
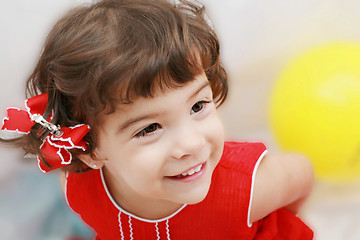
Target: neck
138,205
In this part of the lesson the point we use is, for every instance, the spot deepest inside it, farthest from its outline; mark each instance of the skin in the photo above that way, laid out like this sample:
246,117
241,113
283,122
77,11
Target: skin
282,180
144,144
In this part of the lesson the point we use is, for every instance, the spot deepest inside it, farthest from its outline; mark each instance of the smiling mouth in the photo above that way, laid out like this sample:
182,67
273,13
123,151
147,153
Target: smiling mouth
190,172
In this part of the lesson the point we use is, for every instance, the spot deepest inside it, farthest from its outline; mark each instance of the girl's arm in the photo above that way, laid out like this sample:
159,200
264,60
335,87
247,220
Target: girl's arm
282,180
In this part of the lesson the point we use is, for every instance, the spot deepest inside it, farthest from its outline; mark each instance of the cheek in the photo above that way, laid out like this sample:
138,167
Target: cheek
216,129
106,146
216,137
137,162
142,172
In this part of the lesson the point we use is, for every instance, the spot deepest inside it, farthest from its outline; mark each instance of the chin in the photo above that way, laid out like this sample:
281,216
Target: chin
198,196
196,200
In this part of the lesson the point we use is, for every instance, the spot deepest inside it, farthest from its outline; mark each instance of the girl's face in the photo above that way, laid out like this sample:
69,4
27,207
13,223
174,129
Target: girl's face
163,148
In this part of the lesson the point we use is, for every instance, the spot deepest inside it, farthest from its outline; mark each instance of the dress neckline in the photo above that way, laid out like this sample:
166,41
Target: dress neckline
130,214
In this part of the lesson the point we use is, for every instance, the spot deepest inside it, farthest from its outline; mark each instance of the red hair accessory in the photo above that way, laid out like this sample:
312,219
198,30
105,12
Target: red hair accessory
56,145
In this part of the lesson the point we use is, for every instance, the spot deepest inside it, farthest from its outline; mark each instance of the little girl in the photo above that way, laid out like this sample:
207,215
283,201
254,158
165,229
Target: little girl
124,100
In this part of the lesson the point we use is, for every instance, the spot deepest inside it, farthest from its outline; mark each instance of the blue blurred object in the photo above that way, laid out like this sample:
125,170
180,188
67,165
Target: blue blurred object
33,207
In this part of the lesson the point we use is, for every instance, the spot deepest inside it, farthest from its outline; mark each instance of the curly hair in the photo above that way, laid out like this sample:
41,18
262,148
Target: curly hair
112,51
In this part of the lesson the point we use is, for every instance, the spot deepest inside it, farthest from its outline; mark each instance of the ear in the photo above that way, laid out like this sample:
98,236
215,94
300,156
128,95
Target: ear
91,160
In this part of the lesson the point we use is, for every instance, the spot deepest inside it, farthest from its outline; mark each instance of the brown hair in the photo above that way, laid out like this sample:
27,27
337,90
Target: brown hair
116,50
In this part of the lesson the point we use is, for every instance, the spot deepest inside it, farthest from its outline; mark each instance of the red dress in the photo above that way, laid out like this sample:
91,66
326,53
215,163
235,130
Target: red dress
223,214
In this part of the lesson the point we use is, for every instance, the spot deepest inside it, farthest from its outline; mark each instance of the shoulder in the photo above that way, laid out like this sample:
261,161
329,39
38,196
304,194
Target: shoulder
243,146
282,180
242,156
233,179
80,187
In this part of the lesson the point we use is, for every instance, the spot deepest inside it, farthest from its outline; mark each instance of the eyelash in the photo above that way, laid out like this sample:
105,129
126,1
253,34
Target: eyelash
148,130
203,105
152,128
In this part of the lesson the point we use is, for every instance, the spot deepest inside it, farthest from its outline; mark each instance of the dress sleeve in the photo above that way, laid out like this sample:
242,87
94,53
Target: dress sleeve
236,171
252,184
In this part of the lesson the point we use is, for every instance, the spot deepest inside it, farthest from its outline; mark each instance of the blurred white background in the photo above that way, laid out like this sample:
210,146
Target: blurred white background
258,39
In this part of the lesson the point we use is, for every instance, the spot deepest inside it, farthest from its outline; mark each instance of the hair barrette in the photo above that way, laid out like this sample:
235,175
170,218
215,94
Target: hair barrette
54,129
55,147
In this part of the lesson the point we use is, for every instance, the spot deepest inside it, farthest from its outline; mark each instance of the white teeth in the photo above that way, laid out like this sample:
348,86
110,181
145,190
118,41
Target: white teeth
192,171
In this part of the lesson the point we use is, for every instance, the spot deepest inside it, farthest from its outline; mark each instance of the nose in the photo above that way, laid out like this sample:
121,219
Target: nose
188,140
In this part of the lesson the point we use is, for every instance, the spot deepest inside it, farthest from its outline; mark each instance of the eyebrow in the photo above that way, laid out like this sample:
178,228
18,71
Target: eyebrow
134,120
204,85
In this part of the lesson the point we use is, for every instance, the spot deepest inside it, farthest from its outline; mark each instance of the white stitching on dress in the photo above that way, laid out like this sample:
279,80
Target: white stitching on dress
131,229
167,229
252,186
157,231
120,226
130,214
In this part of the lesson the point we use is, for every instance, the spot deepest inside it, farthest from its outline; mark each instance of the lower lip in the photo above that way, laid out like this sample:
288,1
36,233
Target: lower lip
191,178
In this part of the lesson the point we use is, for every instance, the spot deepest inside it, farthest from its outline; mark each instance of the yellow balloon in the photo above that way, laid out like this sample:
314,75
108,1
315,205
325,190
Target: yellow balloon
315,110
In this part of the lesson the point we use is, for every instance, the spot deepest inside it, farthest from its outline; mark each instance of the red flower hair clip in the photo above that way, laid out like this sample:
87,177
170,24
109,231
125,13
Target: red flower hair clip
56,145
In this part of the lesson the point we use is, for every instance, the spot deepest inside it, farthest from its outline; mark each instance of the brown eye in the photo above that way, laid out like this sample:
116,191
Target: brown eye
148,130
197,107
